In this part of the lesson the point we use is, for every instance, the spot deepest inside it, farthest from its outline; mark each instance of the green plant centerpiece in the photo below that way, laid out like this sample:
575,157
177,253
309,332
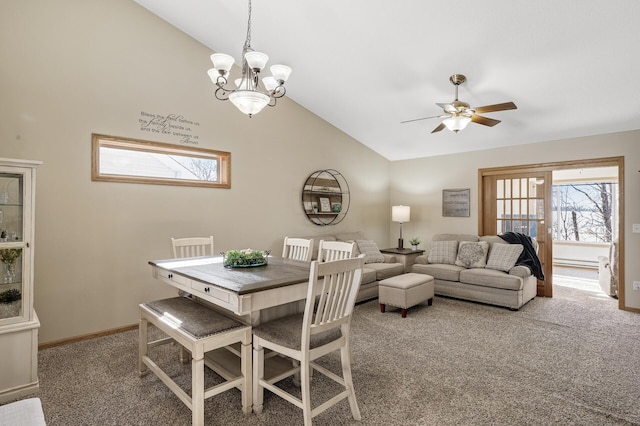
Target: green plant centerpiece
414,241
246,258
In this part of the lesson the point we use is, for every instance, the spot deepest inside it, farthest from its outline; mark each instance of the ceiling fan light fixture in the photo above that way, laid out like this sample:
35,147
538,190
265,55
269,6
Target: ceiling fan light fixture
458,114
456,123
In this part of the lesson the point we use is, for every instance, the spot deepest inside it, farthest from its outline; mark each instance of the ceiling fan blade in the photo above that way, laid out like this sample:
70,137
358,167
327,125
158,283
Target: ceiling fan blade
496,107
437,129
418,119
484,120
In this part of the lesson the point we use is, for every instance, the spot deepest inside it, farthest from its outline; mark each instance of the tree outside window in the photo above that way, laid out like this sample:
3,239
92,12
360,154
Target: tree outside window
585,212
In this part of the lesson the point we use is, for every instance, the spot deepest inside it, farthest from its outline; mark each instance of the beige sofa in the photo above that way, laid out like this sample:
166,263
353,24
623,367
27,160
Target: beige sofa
490,281
375,270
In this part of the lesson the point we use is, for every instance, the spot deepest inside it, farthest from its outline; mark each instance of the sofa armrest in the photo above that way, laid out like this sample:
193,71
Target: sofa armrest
422,259
389,258
520,271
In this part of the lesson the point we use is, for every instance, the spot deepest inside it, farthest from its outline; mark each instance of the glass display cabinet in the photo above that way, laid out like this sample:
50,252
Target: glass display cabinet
18,321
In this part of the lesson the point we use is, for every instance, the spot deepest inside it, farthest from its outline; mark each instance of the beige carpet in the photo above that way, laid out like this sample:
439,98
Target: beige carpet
570,360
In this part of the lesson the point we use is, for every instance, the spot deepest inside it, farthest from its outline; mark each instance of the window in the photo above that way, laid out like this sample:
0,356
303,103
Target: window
131,160
585,211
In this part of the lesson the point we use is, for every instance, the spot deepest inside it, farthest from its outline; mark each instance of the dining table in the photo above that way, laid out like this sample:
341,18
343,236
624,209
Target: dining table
253,294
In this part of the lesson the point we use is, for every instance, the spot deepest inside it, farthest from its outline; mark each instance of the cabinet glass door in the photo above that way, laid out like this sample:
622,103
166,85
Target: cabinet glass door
11,244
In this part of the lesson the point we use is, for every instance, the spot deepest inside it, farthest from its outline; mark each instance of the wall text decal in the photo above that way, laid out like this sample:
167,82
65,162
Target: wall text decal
171,125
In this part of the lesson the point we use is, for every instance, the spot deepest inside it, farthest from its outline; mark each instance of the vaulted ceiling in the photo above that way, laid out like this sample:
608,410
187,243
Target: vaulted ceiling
572,67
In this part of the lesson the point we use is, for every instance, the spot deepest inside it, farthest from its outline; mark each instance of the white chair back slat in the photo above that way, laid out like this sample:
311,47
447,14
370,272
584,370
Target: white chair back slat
333,292
192,247
297,249
329,251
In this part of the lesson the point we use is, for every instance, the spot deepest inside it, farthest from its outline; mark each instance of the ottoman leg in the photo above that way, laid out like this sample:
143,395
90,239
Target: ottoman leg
404,312
430,302
382,307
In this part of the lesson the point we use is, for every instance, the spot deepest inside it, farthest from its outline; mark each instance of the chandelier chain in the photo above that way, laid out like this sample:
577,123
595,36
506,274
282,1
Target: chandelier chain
247,42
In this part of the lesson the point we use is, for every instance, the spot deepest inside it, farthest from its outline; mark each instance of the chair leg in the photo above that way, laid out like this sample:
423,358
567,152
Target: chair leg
197,390
345,357
245,363
382,307
258,374
143,348
404,312
183,354
305,385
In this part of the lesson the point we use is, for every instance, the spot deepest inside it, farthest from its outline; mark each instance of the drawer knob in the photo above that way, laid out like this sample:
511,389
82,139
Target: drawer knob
206,289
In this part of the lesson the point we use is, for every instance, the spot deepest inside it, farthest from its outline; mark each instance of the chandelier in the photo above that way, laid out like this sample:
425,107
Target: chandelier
249,93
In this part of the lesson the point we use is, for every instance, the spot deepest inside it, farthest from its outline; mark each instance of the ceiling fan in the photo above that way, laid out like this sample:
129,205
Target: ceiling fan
458,114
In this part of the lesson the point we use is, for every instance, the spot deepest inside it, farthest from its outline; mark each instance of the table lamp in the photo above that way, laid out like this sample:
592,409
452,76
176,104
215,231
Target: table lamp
400,214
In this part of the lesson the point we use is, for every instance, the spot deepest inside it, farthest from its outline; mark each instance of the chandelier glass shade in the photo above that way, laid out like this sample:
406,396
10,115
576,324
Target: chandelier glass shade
249,93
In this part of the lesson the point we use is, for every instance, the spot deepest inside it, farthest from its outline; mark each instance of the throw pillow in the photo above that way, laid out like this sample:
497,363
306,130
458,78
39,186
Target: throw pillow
443,252
370,250
472,255
357,253
503,257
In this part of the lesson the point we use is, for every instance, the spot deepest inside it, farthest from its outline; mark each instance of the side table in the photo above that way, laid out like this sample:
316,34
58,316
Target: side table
405,256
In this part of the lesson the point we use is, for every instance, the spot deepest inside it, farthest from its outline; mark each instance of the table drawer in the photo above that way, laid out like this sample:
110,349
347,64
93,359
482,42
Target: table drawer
210,292
175,279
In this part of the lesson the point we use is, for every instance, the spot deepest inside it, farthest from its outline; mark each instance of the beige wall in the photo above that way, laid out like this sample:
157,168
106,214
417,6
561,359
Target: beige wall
69,68
73,67
419,184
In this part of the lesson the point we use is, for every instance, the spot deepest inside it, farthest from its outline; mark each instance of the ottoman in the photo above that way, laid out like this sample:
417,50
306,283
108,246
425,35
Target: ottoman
405,291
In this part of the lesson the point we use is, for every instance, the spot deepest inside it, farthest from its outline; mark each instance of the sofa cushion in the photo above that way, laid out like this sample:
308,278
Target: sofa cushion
503,257
369,275
439,271
490,278
443,252
386,270
472,254
370,250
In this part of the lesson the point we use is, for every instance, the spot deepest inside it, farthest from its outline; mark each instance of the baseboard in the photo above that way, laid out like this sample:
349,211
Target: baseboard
74,339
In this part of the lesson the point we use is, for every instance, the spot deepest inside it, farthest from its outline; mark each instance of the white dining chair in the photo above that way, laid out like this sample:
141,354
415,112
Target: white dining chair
297,249
324,327
192,247
335,250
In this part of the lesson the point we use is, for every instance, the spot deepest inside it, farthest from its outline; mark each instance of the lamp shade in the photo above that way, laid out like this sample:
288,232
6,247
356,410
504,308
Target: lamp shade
270,83
280,72
256,60
400,213
249,102
222,61
456,123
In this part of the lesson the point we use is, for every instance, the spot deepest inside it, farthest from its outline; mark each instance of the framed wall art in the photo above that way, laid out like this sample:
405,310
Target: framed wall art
325,204
456,202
